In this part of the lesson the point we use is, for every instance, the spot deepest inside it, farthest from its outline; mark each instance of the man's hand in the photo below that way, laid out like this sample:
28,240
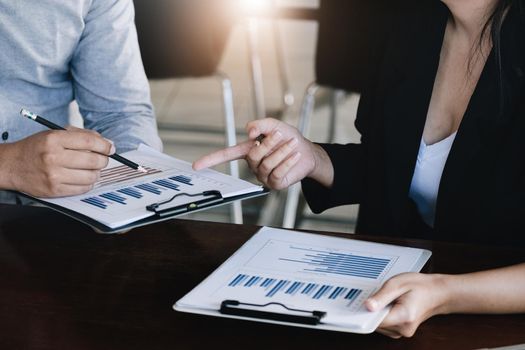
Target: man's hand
55,163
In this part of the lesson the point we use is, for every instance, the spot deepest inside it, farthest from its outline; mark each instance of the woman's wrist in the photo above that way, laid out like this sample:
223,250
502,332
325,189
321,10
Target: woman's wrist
323,171
446,285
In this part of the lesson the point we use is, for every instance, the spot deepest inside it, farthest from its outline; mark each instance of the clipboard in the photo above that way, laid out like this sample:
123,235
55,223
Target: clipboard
180,210
123,198
238,288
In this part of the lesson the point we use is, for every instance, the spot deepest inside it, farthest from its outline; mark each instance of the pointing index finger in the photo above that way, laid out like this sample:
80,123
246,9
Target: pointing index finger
238,151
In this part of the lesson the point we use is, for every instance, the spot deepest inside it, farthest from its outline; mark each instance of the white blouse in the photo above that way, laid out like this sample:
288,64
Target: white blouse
427,176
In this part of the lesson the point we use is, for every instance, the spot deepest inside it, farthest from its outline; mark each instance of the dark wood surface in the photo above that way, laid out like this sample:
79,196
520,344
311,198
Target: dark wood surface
65,287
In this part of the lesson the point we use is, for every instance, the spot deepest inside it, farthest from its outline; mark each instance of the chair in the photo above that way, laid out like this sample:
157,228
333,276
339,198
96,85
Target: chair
252,30
186,39
348,29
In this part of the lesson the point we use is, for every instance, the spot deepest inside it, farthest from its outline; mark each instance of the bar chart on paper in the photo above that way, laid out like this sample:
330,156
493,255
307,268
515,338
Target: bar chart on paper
306,274
122,194
312,260
276,287
287,272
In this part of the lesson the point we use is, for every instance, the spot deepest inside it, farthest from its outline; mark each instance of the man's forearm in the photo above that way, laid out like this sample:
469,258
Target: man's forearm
6,182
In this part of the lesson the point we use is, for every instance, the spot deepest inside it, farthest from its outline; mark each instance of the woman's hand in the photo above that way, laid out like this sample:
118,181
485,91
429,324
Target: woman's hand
283,158
415,297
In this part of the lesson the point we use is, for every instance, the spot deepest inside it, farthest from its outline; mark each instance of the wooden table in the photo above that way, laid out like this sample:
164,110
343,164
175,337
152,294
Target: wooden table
65,287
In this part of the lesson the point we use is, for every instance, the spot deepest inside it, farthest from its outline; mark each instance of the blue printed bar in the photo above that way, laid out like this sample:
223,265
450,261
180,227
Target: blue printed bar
350,263
355,273
238,280
356,269
114,197
353,294
243,278
182,179
339,256
322,291
299,286
255,281
149,188
356,257
270,282
338,291
266,282
309,288
250,281
342,267
342,264
130,192
294,287
97,202
167,184
351,258
278,287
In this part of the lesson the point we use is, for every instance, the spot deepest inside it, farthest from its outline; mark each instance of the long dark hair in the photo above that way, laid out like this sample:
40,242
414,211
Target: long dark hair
493,27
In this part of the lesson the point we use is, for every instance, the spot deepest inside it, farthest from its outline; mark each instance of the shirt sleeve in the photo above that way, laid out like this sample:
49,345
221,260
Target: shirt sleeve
110,84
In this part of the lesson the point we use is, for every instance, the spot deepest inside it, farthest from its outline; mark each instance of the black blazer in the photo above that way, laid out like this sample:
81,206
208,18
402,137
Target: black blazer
481,196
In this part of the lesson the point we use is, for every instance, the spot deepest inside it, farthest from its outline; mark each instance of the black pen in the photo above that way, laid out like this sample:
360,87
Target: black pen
51,125
259,139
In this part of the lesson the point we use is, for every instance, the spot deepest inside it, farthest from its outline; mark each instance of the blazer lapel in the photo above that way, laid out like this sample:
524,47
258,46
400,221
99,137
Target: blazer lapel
482,122
406,107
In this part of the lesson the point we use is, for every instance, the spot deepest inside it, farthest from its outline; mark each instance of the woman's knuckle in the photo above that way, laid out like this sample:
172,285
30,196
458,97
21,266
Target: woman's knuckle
275,177
265,167
274,184
264,181
408,331
391,284
411,316
250,158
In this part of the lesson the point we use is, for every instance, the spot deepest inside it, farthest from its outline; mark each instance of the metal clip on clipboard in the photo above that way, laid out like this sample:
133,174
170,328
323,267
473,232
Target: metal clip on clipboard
231,307
212,198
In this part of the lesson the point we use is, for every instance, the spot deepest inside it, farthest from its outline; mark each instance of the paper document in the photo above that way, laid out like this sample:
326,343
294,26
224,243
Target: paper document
306,272
121,195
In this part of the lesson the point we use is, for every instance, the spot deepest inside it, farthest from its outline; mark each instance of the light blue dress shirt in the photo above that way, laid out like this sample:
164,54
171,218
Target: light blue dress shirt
54,51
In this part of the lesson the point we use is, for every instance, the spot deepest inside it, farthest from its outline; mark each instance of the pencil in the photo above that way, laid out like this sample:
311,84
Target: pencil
53,126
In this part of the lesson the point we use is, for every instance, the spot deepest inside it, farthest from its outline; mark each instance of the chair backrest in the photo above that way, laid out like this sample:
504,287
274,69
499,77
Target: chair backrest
349,32
182,38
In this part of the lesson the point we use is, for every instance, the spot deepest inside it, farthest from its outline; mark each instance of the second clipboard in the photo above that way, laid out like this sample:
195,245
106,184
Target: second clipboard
302,279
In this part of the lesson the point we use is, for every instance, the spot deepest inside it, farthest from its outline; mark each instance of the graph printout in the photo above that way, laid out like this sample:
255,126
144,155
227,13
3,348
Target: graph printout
307,272
121,195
